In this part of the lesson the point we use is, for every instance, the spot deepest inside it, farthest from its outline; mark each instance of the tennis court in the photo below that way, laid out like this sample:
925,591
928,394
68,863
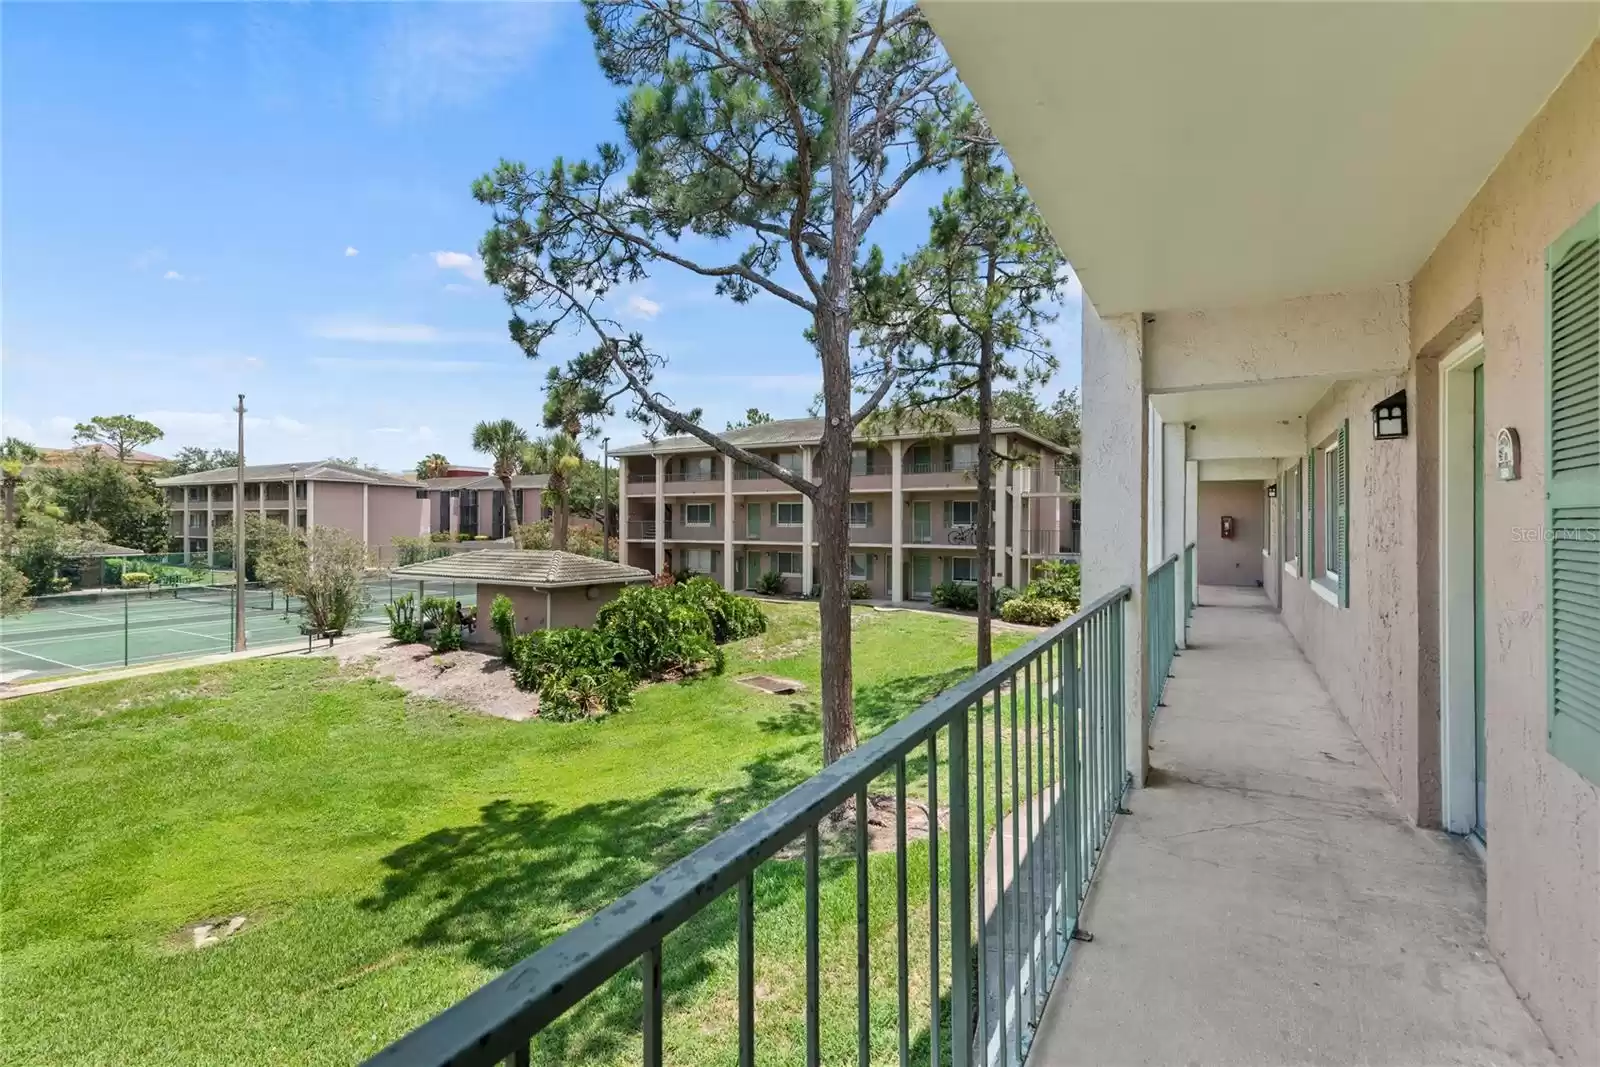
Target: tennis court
76,632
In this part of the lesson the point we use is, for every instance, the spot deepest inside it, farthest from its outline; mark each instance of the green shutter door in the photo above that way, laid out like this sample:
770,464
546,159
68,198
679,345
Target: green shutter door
1308,547
1572,274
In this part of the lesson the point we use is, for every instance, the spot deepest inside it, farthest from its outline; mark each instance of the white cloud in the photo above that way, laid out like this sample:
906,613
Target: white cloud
465,262
172,276
369,331
400,364
453,54
351,250
642,307
20,428
61,426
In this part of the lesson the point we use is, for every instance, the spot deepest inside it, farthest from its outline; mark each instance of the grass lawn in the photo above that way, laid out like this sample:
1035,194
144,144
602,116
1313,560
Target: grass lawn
393,855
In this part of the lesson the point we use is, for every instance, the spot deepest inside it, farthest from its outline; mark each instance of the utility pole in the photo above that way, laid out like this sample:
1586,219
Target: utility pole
605,497
238,538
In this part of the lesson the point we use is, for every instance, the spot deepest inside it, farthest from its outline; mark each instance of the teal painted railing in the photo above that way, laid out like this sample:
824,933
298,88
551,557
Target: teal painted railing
1160,632
1037,736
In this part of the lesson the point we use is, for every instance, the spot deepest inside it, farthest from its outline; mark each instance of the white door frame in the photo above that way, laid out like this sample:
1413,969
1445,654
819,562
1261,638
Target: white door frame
1457,641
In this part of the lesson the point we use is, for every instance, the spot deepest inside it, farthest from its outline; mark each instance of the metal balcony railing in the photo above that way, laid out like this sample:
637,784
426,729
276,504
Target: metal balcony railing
1050,478
641,479
1160,633
1050,541
694,476
645,530
1029,749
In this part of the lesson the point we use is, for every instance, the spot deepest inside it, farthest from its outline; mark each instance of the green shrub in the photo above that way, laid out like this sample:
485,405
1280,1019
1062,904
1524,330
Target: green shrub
60,585
135,579
770,583
568,650
403,624
860,591
439,613
1003,596
410,550
681,575
733,618
480,537
1035,612
584,695
962,596
1056,581
658,632
439,535
503,617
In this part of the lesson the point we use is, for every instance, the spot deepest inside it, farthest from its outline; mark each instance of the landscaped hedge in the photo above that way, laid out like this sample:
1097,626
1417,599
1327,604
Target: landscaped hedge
1035,611
647,632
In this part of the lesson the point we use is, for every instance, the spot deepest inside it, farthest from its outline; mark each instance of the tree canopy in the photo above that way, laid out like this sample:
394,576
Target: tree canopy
192,459
122,434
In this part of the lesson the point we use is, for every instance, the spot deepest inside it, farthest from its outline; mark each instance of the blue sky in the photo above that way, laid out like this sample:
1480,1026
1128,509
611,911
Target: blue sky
198,200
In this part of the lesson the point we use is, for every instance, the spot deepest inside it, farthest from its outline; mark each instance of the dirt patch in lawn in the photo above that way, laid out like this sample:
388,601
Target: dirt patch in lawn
468,678
836,836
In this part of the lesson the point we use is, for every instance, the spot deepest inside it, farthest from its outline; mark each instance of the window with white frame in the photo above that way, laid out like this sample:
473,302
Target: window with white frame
788,563
860,567
964,456
963,568
860,513
861,461
698,514
698,560
790,461
784,514
963,513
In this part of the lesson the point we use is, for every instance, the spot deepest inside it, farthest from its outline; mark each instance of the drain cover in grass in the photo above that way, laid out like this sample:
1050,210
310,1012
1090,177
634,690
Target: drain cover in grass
768,684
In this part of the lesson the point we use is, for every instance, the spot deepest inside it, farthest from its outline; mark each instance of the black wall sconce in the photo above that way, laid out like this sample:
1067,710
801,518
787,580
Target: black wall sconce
1389,418
1272,491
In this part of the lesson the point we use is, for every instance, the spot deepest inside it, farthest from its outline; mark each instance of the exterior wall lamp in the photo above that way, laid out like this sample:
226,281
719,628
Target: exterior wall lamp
1389,418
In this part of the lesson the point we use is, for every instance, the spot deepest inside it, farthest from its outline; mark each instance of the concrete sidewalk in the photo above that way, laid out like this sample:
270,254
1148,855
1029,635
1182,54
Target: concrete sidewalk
1265,903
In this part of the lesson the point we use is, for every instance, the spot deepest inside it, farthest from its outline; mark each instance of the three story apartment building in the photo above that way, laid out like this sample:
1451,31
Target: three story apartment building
375,506
913,506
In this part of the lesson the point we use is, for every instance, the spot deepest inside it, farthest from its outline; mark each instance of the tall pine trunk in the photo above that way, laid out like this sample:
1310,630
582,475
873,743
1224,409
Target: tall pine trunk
986,458
832,501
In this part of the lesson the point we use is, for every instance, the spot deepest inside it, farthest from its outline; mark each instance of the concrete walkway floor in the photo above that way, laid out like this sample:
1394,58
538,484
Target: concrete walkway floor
1265,903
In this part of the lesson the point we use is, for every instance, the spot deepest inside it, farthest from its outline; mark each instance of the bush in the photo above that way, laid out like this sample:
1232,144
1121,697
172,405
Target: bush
439,614
1056,581
733,618
656,633
503,617
464,536
403,624
439,535
584,695
770,583
573,670
860,591
1035,611
13,590
480,537
962,596
1003,596
408,550
135,579
681,575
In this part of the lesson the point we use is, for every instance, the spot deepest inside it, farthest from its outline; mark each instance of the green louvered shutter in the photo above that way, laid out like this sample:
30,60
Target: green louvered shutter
1342,545
1572,275
1308,547
774,513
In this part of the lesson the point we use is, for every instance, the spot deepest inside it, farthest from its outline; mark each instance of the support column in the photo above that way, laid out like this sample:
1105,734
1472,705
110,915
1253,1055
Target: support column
1191,521
1001,568
1115,496
897,521
727,524
366,525
623,555
808,529
661,513
455,513
1021,542
1174,509
211,526
311,506
186,524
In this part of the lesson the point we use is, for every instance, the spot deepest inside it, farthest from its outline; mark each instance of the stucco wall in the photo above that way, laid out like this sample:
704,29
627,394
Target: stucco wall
393,512
1235,560
529,604
1543,818
575,607
338,504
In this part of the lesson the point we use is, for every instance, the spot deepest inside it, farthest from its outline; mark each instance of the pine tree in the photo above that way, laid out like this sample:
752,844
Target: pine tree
785,127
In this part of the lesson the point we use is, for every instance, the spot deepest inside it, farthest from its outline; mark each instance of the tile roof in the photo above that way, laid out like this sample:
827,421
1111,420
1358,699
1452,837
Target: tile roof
782,432
486,481
325,470
522,566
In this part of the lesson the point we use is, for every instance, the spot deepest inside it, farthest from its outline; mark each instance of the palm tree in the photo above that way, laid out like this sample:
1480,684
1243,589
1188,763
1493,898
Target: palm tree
14,454
432,465
557,456
503,441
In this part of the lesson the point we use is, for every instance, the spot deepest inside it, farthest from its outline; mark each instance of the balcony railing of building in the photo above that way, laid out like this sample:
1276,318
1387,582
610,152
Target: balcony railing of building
1050,541
1188,586
1029,748
1050,478
645,530
646,478
693,476
1161,619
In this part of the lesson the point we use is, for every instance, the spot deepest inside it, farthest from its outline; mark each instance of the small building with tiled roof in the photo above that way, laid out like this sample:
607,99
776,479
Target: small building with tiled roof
548,589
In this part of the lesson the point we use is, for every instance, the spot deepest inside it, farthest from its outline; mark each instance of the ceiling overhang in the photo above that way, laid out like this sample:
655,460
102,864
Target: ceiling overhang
1217,155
